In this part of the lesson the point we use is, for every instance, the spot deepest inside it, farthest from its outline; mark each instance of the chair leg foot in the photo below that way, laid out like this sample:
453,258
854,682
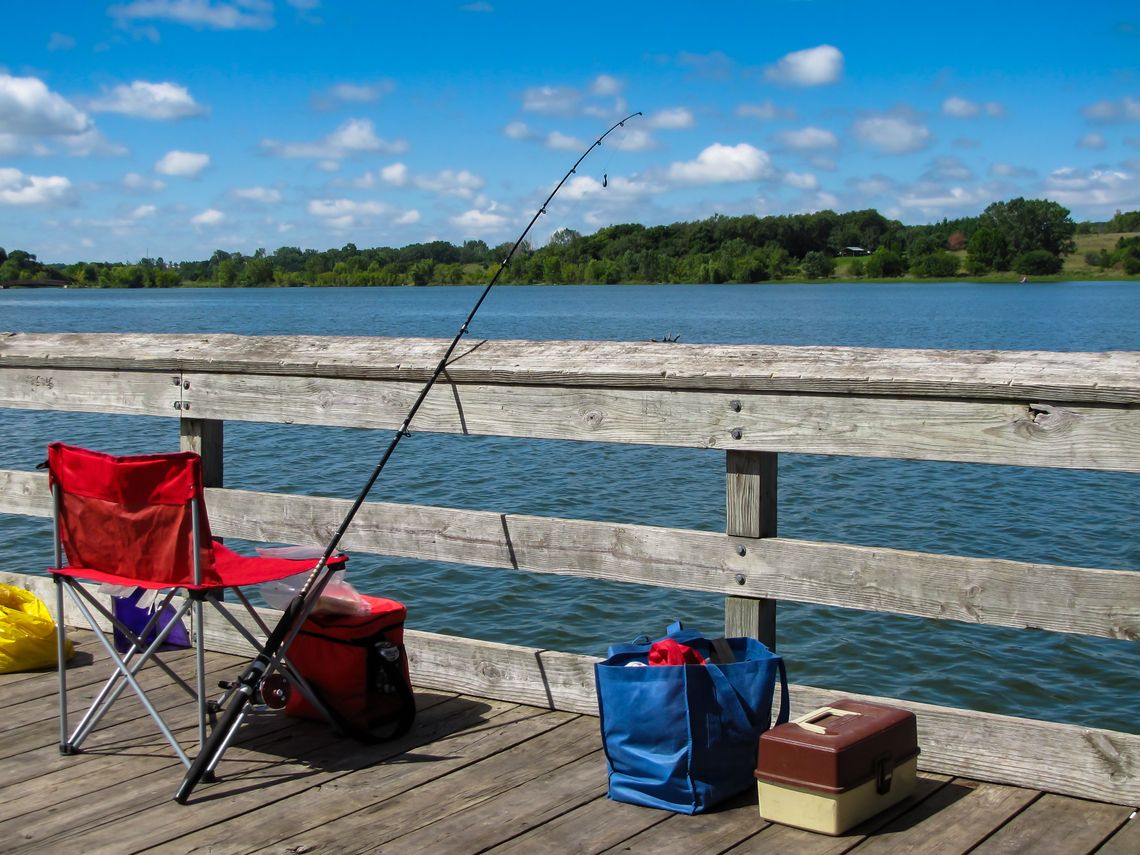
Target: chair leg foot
209,778
67,749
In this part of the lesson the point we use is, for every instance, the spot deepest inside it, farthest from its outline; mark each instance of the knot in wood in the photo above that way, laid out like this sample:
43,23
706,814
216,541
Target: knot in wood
593,418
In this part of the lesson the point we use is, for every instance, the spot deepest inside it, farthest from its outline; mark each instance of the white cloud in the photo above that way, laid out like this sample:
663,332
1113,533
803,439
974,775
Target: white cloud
816,66
630,139
346,213
186,164
29,108
446,182
617,189
1126,110
91,142
143,211
264,195
801,180
407,218
673,118
518,131
238,15
1103,189
933,200
16,188
767,111
354,136
478,222
1093,141
893,134
562,142
605,84
353,93
807,139
947,168
209,217
135,183
550,99
145,100
60,41
960,108
1008,170
722,163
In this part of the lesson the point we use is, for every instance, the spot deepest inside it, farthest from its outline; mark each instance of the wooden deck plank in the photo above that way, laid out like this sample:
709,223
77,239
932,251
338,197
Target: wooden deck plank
1126,841
344,777
953,820
473,775
1057,825
596,826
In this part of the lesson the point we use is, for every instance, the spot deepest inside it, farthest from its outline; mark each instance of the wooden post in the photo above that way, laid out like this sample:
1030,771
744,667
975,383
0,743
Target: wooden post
750,511
204,437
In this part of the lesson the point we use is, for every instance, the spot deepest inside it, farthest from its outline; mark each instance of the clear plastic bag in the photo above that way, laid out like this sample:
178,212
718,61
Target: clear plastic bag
338,597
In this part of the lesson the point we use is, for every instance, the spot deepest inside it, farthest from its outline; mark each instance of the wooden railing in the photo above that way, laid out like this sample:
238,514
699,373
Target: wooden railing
1068,410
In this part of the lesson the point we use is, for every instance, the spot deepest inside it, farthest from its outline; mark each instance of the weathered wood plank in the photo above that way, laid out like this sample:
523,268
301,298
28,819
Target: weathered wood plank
290,809
593,827
1056,824
717,831
1024,433
750,512
136,393
205,437
955,819
1126,841
996,592
1112,377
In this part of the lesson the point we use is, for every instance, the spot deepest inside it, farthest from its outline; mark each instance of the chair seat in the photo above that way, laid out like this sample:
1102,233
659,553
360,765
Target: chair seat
233,569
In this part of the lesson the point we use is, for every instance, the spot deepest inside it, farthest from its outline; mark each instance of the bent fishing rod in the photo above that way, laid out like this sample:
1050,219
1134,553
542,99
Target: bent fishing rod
243,692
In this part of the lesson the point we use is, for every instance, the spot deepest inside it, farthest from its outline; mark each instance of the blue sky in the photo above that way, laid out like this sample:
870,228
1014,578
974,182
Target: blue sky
176,127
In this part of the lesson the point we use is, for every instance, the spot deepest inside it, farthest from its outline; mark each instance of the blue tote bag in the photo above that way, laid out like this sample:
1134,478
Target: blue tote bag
684,737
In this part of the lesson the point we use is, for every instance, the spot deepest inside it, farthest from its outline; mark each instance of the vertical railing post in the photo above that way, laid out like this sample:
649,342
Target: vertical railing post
750,511
204,438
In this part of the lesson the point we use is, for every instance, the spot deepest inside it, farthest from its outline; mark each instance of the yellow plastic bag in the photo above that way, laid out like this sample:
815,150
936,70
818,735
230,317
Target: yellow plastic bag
27,632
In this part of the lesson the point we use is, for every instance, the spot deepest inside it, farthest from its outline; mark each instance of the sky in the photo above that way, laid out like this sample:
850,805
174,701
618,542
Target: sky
173,128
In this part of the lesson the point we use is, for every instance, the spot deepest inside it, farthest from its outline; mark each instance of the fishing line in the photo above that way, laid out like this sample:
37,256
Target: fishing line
242,693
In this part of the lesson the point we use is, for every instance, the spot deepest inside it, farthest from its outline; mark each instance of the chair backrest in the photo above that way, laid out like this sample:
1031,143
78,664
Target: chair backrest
131,516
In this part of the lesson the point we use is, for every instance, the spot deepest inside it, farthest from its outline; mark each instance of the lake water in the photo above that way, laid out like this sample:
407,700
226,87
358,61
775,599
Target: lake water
1062,517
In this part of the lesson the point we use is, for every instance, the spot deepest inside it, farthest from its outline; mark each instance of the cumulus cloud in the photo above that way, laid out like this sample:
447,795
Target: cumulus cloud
447,182
932,200
1125,110
346,213
136,183
815,66
673,118
60,41
807,139
947,168
185,164
605,84
563,142
1104,189
801,180
617,189
144,100
519,131
209,217
29,108
17,188
91,142
1093,141
551,99
1008,170
960,108
478,222
355,136
237,15
352,93
893,134
142,212
722,164
766,111
263,195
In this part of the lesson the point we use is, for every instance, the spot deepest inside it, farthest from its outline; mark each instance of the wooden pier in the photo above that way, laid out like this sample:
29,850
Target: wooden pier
1048,786
474,775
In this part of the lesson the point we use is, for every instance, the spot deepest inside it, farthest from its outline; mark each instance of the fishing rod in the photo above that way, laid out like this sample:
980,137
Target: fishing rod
242,693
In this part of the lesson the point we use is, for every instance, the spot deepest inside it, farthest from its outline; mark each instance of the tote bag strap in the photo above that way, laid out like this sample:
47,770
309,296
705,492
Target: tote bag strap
782,715
734,716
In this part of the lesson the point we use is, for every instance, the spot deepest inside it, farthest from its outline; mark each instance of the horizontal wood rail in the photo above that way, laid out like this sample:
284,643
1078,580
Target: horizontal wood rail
1059,410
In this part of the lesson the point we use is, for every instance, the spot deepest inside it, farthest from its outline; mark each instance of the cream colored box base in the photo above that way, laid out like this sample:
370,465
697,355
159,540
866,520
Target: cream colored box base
833,814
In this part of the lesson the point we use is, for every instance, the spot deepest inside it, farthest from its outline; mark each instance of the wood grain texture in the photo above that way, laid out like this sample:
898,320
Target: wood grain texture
1112,377
750,512
136,393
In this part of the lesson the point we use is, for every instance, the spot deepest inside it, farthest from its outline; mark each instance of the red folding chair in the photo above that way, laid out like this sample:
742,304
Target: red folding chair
140,521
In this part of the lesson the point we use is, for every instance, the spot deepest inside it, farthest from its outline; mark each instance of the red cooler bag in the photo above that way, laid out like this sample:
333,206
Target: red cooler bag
358,668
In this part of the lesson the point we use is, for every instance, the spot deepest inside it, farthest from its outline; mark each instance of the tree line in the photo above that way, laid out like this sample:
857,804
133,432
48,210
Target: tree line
1026,236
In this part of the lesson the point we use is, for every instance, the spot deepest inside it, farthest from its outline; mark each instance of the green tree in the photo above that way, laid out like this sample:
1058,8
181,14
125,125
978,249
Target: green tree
937,265
1040,262
818,265
884,263
1030,224
988,250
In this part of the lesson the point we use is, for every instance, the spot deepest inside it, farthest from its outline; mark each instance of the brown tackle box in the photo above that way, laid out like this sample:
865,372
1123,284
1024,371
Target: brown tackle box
836,766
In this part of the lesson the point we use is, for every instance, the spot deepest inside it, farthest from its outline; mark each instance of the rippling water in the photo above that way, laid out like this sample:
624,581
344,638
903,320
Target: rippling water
1063,517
